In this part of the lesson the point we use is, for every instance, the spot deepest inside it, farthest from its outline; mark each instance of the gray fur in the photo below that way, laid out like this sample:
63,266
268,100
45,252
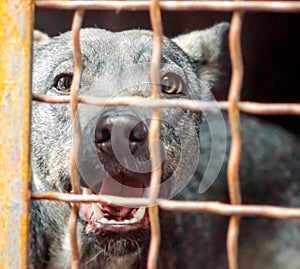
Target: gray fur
269,171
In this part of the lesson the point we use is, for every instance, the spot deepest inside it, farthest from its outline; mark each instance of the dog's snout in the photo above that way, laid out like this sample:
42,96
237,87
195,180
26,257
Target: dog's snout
118,129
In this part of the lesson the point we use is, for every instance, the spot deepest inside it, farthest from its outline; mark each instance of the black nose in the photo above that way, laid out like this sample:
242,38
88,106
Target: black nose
120,131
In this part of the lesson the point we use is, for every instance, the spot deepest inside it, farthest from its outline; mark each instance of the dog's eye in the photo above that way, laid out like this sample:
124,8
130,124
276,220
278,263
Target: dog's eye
171,83
63,82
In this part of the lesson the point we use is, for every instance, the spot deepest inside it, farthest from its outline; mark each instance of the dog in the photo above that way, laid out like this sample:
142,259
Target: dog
113,157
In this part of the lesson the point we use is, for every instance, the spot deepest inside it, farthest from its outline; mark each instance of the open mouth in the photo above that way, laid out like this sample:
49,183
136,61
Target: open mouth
103,217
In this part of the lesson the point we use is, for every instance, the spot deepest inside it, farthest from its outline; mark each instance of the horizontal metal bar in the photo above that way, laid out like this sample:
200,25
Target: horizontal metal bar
170,205
191,104
270,6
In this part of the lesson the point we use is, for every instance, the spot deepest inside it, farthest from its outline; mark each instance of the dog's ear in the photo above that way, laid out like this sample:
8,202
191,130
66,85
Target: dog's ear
209,48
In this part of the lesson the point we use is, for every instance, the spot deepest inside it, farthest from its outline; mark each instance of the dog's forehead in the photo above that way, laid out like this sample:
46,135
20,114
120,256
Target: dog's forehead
131,46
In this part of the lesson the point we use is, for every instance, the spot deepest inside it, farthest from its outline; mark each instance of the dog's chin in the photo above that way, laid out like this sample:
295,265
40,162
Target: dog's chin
116,244
105,249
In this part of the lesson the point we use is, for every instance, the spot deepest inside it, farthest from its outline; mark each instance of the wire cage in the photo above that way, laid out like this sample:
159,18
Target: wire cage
15,42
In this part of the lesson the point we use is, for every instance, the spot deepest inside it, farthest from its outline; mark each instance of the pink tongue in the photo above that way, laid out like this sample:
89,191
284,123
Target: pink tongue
115,188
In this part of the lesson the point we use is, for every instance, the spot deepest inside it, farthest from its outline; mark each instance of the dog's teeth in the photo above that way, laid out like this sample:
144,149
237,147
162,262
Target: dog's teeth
139,214
106,221
86,191
115,222
97,211
103,220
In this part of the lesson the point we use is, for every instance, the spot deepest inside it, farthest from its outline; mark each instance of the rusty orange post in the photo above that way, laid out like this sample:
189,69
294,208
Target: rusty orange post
16,17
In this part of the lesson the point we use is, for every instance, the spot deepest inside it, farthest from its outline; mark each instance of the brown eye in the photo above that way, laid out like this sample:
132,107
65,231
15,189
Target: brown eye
63,82
171,83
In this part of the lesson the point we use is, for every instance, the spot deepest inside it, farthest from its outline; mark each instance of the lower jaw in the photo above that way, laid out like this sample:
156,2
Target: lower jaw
100,250
116,242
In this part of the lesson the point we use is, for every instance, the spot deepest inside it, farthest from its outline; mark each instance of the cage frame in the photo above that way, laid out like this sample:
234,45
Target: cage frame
234,106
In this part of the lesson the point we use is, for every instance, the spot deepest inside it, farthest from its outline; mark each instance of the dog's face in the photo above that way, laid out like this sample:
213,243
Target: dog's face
113,152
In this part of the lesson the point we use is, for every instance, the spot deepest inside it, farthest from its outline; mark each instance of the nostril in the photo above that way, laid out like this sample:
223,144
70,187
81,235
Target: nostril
103,139
139,133
102,135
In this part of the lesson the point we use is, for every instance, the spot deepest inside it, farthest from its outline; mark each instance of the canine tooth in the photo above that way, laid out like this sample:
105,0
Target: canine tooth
86,191
139,214
134,220
104,220
97,211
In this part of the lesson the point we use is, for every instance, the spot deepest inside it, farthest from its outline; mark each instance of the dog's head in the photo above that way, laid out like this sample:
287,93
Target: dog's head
113,153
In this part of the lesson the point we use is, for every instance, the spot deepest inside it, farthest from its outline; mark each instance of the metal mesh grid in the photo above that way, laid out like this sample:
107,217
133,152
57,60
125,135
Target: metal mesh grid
235,209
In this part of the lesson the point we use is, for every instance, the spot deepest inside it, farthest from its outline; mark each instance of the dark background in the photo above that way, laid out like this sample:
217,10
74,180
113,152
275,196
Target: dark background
270,42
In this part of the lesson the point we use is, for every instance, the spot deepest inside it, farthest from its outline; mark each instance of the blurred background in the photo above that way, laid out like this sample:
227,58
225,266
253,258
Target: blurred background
270,43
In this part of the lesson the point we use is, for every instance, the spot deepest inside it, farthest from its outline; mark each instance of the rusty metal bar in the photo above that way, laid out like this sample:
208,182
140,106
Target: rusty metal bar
154,135
270,109
207,206
191,104
270,6
77,22
15,48
236,143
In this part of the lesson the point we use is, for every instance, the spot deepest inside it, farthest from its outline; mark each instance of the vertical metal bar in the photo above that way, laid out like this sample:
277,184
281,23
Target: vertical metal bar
235,151
154,135
16,20
77,22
